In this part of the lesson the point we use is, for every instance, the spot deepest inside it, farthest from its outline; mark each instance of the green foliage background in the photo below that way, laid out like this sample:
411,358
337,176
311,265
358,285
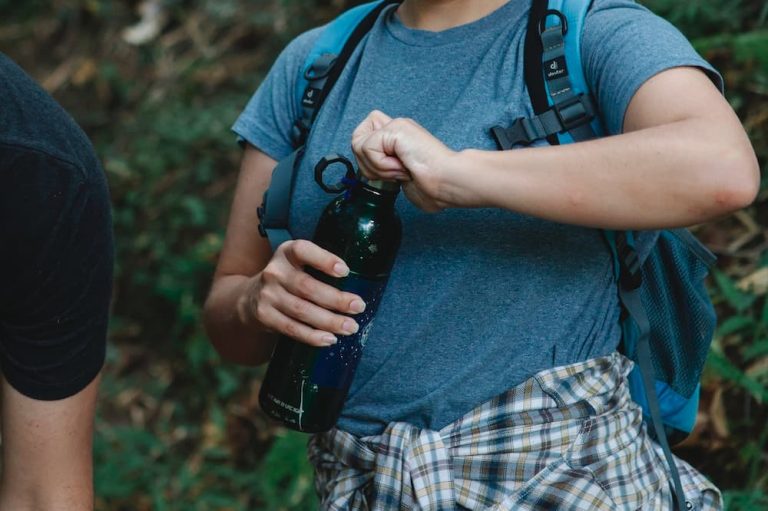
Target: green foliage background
177,429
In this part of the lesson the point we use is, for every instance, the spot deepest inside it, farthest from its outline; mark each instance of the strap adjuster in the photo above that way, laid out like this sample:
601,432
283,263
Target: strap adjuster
299,132
630,275
575,111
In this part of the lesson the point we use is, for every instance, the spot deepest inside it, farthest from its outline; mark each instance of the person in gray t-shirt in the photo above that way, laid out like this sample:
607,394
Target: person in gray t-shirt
502,272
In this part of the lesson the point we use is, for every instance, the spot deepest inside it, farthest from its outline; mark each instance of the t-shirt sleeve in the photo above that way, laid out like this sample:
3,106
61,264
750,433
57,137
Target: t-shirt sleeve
624,45
56,269
269,116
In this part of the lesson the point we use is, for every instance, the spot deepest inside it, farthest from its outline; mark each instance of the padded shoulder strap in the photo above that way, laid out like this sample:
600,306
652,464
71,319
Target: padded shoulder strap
569,16
554,77
326,61
321,69
332,40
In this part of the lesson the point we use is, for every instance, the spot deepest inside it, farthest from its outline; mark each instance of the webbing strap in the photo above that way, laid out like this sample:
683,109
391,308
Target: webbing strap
561,93
316,76
276,206
634,305
321,76
569,112
349,47
558,81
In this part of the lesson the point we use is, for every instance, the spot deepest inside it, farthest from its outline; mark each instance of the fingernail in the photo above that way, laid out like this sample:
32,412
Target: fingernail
350,327
357,306
341,269
330,340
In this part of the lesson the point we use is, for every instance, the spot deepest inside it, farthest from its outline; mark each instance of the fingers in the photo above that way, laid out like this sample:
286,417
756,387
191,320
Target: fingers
288,300
369,144
375,121
302,253
286,325
310,314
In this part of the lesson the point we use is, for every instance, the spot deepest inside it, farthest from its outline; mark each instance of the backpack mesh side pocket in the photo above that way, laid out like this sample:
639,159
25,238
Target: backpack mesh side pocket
680,312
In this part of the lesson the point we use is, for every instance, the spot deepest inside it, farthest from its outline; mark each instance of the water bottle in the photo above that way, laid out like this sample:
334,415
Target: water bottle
305,387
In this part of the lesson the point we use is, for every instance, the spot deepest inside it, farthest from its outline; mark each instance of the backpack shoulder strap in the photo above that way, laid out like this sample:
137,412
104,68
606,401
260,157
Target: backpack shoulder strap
567,87
327,59
554,77
317,76
565,113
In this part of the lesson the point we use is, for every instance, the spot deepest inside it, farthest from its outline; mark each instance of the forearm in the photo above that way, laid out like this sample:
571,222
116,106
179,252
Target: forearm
61,498
235,337
670,175
47,451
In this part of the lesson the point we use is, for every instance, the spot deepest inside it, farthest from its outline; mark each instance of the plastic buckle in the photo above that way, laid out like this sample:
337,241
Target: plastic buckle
507,138
299,132
631,277
575,111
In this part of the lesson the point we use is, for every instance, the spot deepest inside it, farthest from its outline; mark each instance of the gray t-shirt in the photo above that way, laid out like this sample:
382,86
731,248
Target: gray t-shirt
479,299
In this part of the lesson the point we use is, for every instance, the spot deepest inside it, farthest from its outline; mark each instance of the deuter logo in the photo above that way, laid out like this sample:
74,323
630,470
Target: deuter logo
309,97
555,68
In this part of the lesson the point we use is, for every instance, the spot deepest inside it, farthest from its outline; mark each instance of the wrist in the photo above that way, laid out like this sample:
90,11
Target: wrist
245,303
460,179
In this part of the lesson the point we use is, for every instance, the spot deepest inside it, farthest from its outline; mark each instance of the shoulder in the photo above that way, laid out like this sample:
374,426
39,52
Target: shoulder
624,45
627,20
297,51
617,9
34,126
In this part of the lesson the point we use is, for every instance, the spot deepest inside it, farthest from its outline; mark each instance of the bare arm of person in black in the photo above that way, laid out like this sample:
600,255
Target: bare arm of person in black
56,256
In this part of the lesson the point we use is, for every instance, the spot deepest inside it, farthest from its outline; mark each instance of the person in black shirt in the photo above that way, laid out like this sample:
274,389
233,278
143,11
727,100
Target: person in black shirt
56,257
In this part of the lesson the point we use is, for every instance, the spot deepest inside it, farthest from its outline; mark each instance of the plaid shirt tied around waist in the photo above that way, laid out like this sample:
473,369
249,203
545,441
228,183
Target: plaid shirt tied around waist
569,438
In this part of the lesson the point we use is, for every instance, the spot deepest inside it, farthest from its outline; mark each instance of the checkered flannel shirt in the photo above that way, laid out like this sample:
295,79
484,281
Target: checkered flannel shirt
569,438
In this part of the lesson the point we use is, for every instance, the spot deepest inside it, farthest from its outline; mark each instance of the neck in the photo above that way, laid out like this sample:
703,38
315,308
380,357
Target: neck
437,15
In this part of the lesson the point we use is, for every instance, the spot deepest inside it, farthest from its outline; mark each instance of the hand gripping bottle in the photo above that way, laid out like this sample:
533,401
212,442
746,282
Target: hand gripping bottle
305,387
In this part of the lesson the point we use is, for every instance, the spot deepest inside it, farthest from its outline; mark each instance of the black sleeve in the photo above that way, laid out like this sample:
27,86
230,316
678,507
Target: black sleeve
56,258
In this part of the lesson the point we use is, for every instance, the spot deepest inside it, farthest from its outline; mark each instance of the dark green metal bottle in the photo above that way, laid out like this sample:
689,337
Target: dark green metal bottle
305,387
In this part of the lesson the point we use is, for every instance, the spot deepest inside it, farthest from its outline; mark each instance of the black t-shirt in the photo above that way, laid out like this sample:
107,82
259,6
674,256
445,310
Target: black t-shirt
56,247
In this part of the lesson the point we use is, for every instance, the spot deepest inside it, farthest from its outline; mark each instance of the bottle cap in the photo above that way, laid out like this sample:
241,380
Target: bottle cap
384,186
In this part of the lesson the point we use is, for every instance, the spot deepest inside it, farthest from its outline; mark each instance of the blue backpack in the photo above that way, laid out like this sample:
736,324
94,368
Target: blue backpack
667,317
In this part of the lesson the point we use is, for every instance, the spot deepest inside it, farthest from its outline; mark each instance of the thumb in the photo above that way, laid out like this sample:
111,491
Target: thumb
373,122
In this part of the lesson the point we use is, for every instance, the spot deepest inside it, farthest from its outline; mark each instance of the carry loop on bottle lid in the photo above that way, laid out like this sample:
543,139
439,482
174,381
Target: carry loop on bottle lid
351,176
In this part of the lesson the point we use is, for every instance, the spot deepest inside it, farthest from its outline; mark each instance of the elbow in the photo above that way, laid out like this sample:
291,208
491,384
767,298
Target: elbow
737,184
209,315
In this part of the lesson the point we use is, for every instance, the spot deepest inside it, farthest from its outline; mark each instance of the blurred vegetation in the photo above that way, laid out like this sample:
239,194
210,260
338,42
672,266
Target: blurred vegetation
156,85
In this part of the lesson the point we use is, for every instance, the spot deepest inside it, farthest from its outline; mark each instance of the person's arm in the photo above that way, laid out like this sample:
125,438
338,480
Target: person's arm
256,294
47,449
683,158
57,284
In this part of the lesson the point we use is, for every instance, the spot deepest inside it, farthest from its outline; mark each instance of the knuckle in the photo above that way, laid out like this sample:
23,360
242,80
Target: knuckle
298,308
343,301
270,275
304,284
299,247
283,248
261,311
291,329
